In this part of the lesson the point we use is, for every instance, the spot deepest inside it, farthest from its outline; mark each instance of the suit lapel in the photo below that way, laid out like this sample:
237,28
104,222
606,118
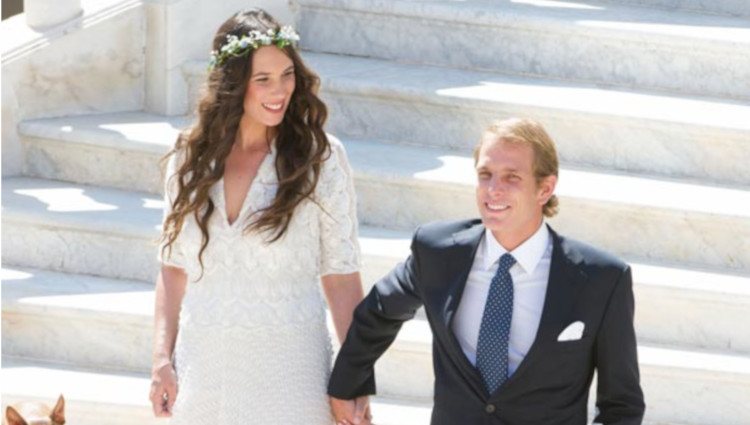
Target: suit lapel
563,286
460,260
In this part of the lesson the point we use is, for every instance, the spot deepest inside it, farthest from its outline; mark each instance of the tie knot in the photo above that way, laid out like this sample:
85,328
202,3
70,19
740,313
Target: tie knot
506,262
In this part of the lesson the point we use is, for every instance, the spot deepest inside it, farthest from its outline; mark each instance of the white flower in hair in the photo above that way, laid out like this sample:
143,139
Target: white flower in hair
288,33
265,39
235,46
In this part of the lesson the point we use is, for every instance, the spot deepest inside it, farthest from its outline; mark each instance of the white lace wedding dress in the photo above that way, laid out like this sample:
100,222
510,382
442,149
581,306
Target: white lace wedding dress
253,346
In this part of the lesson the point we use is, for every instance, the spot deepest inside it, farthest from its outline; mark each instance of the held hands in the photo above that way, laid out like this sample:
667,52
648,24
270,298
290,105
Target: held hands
351,412
163,389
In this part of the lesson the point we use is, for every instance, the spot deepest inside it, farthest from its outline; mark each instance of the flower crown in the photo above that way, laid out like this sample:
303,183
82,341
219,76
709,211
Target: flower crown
236,46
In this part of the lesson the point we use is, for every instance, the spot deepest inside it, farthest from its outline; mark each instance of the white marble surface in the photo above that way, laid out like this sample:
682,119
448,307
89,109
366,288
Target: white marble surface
98,232
669,376
151,136
675,222
183,30
624,46
90,395
65,69
92,149
657,134
45,13
12,153
148,132
70,75
675,316
121,397
403,186
111,233
723,7
99,318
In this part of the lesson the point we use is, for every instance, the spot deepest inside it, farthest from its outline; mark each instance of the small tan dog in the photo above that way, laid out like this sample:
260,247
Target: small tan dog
35,413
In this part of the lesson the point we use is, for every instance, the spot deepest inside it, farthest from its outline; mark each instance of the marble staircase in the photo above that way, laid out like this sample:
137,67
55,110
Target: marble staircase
610,44
717,7
117,397
653,132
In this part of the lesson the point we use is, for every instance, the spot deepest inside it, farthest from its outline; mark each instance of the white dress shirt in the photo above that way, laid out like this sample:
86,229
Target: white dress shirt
530,275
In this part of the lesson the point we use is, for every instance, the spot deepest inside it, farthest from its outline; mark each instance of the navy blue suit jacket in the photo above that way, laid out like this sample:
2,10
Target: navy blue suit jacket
551,384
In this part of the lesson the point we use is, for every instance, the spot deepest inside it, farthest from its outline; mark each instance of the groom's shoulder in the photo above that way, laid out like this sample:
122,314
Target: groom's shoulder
589,258
440,233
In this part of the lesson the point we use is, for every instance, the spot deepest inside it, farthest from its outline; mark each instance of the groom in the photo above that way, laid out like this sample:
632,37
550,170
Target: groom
521,316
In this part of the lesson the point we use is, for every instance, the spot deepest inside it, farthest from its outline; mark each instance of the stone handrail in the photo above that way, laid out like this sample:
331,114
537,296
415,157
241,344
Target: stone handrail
47,13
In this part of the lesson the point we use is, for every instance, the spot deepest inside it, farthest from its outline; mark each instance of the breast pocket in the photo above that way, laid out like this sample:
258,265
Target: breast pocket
576,345
570,361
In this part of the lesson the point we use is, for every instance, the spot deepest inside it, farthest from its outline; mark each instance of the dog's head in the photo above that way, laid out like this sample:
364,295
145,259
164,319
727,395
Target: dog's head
36,413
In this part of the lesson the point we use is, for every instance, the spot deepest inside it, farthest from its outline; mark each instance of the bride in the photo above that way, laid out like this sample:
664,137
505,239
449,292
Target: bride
260,208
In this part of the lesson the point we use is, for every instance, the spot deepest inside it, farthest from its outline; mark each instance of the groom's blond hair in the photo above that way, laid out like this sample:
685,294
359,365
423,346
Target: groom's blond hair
529,132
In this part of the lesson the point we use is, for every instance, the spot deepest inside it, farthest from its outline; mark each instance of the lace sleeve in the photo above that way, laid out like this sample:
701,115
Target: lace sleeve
339,244
174,257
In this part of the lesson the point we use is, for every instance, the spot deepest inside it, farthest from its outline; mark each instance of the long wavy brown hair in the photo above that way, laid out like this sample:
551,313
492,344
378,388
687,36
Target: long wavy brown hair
301,143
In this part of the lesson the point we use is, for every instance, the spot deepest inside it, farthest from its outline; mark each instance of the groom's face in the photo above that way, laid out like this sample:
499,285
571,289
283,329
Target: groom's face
509,198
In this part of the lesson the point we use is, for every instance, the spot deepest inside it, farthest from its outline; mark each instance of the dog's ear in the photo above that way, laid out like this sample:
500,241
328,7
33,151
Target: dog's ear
58,413
13,417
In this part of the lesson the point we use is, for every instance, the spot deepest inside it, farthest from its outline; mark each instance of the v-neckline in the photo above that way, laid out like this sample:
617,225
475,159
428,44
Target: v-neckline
246,200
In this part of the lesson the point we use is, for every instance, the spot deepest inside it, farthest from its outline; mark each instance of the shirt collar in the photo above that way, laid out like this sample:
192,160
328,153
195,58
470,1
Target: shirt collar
527,255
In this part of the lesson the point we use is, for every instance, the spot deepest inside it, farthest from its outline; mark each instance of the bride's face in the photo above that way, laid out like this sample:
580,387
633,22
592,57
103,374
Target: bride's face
270,87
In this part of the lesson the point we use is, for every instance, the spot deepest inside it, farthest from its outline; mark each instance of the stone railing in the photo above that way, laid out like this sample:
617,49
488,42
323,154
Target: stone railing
47,13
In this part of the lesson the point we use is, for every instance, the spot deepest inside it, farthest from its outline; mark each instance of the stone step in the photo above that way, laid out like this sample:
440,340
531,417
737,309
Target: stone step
676,222
691,308
92,396
623,45
84,321
108,232
94,149
640,218
122,398
98,231
404,186
720,7
107,324
111,233
594,127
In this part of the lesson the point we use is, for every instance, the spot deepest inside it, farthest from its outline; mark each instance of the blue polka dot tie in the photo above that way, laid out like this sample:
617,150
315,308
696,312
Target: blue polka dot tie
494,332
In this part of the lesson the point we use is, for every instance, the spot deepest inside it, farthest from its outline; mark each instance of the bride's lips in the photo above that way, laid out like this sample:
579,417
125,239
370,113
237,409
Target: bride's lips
274,108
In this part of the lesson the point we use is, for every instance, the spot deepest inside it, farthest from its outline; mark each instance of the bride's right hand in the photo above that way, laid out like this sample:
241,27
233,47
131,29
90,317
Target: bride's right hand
163,389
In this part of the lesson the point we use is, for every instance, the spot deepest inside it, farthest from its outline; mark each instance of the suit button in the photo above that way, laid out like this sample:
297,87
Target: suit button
490,408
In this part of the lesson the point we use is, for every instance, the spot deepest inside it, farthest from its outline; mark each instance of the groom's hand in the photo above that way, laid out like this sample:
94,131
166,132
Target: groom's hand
351,412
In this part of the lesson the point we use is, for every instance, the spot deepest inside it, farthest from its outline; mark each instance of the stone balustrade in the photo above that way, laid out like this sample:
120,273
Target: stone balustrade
47,13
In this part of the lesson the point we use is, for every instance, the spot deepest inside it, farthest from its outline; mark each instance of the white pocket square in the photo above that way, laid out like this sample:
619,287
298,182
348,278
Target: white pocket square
573,332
